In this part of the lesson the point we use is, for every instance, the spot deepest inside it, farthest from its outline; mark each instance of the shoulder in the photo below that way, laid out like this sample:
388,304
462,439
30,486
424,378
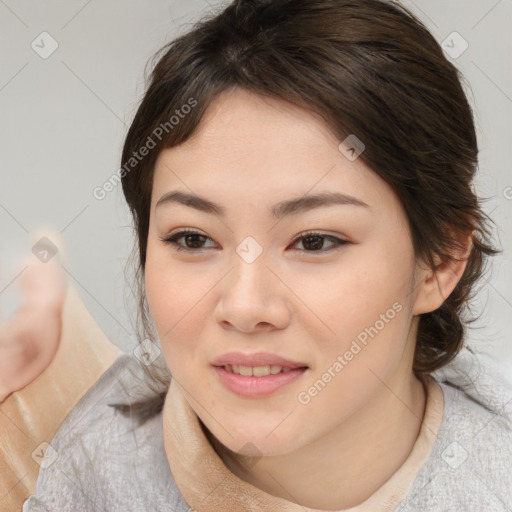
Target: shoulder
469,467
101,459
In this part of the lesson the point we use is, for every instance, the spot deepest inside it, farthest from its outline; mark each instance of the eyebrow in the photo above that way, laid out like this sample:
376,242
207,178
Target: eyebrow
283,209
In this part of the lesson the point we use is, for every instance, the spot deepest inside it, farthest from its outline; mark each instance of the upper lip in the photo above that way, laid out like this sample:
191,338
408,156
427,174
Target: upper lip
258,359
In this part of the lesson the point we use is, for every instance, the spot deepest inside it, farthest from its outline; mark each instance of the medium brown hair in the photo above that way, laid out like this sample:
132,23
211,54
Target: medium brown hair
367,67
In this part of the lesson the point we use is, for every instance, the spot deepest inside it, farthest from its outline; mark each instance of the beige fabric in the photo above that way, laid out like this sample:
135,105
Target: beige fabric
209,486
30,417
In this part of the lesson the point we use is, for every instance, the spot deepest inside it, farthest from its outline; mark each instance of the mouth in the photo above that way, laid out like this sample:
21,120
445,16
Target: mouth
257,371
257,375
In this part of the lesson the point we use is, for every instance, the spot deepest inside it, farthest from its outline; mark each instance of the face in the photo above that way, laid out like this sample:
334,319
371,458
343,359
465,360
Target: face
285,291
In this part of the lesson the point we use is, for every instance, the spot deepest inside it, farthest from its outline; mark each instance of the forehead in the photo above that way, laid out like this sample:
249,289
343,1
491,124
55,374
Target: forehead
248,146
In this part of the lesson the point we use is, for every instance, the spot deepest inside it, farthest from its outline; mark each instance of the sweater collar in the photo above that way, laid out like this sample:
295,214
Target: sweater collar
207,485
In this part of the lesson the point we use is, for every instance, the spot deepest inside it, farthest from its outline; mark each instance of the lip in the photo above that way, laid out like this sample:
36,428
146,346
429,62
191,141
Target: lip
256,359
257,387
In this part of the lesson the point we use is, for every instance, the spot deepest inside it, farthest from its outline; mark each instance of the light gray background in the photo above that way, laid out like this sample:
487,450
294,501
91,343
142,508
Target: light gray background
63,119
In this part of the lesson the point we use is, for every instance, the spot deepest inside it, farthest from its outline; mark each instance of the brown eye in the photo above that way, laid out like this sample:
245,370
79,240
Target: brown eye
194,240
314,242
187,241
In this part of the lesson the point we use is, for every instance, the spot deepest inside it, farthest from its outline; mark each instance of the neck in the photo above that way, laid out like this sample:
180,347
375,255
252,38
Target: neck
346,466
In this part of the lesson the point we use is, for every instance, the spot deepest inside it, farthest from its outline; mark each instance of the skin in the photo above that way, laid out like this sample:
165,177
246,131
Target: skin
248,154
30,339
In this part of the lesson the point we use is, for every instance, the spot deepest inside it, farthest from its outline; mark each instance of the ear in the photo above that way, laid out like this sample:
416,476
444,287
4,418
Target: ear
433,287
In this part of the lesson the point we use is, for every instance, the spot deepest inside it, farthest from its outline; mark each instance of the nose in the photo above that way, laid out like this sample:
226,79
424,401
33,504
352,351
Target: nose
253,299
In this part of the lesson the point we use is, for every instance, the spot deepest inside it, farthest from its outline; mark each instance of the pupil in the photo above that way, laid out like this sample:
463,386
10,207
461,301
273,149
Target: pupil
317,244
194,240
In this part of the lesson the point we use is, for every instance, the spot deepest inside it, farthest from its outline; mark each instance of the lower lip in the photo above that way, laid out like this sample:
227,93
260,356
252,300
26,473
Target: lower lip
257,387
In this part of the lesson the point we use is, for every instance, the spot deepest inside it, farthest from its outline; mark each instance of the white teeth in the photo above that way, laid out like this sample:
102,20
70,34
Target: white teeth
275,369
256,371
261,371
246,371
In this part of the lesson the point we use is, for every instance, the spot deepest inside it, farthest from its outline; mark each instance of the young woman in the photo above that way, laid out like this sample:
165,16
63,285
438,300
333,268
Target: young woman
300,177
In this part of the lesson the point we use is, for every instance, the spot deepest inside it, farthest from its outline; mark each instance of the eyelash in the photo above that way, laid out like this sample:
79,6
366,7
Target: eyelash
173,240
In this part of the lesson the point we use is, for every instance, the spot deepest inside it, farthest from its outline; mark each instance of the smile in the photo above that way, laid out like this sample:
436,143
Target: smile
256,371
257,381
256,375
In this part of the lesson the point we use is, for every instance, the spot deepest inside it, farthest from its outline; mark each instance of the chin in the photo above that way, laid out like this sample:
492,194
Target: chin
257,442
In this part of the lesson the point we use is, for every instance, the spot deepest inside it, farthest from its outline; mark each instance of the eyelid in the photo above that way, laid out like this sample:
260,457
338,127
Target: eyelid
311,233
185,231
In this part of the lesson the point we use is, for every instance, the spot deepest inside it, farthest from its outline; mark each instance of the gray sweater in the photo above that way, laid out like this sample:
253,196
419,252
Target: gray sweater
103,461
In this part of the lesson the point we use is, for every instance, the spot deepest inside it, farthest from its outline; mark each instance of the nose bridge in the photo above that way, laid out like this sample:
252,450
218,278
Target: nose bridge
249,279
252,295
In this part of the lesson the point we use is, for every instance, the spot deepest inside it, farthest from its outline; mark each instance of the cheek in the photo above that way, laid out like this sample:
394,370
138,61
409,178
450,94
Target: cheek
362,321
172,288
177,296
365,287
367,349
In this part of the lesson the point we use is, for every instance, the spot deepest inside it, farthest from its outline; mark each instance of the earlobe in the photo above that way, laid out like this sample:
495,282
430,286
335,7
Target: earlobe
435,286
